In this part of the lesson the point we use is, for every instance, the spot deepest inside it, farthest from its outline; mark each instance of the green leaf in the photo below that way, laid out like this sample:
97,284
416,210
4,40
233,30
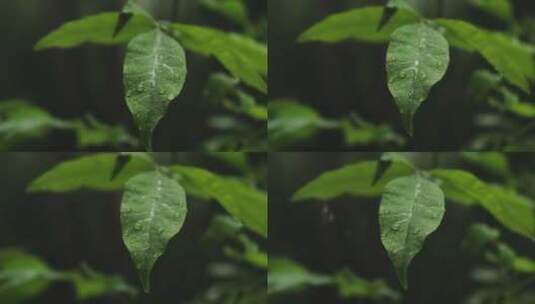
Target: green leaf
358,131
286,275
235,10
88,172
22,276
246,204
493,162
412,208
510,57
355,179
21,121
153,210
358,24
502,9
91,132
154,74
417,58
243,57
386,160
524,265
290,122
351,286
130,9
514,211
90,284
96,29
391,8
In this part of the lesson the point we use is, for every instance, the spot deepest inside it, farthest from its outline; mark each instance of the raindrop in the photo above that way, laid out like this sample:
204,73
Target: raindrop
327,214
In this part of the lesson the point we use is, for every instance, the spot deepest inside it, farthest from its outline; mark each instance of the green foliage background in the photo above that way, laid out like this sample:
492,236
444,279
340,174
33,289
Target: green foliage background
88,80
336,79
69,229
343,233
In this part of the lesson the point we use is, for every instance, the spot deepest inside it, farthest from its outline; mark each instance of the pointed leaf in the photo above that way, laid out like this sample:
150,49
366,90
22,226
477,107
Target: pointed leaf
153,210
243,57
391,8
412,207
355,179
88,172
94,29
154,74
417,58
130,9
510,57
243,202
358,24
514,211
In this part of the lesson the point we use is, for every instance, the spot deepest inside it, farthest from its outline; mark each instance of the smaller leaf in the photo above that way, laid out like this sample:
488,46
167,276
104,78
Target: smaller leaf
412,208
88,172
386,160
286,275
382,166
153,210
290,122
235,10
243,202
509,56
120,162
94,29
514,211
355,179
391,8
502,9
245,58
130,9
359,24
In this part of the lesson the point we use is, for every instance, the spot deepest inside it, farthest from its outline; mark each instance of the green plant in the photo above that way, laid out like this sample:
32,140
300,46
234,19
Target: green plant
414,199
155,65
23,276
287,276
418,53
154,204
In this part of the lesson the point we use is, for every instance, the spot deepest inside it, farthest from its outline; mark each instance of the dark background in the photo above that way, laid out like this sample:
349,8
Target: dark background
88,79
348,77
344,232
68,229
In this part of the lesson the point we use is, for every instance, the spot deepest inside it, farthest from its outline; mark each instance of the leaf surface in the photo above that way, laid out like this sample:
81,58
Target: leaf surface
358,24
92,172
98,29
355,179
511,58
154,74
245,203
417,58
153,210
514,211
243,57
412,208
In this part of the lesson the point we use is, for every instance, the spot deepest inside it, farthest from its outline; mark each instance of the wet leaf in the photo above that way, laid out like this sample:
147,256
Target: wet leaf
417,58
411,208
154,74
153,210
